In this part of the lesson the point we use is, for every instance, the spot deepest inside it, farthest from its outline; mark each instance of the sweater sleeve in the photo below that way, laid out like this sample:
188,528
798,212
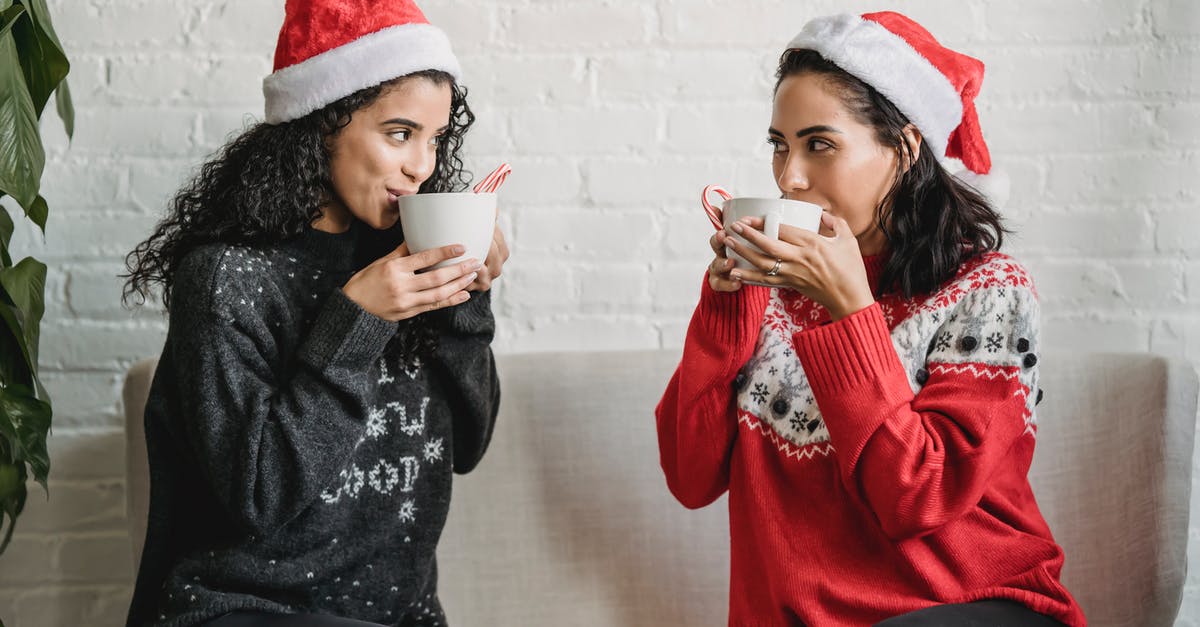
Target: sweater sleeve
466,366
268,437
922,460
696,421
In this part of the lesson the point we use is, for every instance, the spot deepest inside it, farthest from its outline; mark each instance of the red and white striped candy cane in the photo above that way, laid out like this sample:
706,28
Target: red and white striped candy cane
493,181
714,213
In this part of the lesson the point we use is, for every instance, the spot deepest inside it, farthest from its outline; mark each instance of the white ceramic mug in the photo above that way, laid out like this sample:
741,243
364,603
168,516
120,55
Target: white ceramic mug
773,211
435,220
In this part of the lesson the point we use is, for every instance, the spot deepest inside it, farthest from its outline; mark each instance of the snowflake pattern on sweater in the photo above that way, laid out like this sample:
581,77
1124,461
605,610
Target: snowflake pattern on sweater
384,475
980,324
874,465
296,467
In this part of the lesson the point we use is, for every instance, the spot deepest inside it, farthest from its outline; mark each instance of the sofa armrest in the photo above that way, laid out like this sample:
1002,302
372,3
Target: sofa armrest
137,473
1112,474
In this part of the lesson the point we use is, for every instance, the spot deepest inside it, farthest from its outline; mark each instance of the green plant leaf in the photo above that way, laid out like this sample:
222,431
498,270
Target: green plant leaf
22,157
32,67
62,93
14,360
66,111
25,284
42,58
12,496
22,292
38,213
41,15
9,16
6,230
25,423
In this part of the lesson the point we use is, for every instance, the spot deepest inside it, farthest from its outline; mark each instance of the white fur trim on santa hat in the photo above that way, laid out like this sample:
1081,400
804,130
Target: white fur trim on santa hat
300,89
994,186
883,60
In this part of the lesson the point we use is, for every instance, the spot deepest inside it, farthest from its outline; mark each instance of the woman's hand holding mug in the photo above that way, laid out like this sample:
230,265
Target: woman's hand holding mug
719,270
778,242
496,256
392,289
827,269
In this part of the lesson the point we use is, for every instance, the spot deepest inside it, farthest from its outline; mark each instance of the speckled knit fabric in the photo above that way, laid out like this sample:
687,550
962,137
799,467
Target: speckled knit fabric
295,465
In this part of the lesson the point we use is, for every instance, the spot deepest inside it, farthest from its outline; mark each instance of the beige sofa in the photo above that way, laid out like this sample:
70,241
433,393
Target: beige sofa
568,521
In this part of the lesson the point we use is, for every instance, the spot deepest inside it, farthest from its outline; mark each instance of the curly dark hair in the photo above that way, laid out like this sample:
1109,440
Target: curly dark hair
269,182
933,222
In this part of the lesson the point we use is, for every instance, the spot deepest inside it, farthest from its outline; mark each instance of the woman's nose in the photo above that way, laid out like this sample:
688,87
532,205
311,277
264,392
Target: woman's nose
793,176
420,163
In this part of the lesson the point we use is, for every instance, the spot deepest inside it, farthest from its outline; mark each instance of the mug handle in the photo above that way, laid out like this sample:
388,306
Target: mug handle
714,213
771,223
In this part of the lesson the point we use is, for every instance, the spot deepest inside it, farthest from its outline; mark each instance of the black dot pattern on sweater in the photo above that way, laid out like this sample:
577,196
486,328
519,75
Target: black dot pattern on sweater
922,376
1030,360
1023,345
969,343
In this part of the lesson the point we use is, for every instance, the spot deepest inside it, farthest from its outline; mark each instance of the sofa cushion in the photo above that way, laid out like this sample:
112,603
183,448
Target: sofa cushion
568,521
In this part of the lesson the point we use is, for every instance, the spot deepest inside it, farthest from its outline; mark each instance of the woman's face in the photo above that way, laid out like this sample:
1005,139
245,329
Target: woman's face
825,156
387,150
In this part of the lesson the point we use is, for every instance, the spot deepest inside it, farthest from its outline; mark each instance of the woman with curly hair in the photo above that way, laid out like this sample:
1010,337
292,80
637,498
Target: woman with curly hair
319,384
866,395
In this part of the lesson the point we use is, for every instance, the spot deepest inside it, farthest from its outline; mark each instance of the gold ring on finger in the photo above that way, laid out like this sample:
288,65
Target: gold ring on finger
775,270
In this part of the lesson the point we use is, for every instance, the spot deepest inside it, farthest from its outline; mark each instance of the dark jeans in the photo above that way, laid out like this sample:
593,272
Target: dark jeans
977,614
260,619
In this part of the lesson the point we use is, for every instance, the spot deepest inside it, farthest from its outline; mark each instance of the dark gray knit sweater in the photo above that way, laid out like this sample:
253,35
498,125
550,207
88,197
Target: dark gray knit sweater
296,467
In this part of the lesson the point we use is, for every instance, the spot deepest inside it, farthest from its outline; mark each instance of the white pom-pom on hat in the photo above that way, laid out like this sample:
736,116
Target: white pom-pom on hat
994,186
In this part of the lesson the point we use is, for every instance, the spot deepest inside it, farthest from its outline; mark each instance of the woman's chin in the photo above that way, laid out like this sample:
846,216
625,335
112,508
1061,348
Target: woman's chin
384,221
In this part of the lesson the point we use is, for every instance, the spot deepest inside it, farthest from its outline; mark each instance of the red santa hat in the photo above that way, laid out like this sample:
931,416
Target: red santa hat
329,49
933,86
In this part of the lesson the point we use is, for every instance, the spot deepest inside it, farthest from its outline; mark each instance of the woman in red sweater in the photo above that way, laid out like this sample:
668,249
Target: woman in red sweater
872,415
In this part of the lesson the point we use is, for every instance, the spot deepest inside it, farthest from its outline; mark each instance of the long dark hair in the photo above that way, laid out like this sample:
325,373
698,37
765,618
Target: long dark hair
933,222
269,182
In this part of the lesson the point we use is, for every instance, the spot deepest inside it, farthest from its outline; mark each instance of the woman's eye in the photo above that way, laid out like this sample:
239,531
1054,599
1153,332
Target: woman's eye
401,134
777,146
819,145
436,140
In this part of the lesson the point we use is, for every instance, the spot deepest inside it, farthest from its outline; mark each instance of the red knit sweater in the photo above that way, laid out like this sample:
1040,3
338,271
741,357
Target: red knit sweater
875,465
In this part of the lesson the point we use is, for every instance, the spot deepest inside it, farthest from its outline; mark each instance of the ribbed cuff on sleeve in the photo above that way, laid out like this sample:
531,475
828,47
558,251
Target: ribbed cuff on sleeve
849,353
345,334
472,317
856,376
732,318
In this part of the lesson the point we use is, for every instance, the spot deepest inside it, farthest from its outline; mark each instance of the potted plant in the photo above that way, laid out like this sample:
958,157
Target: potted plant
32,67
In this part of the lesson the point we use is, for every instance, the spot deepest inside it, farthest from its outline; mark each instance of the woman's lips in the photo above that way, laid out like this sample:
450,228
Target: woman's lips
394,194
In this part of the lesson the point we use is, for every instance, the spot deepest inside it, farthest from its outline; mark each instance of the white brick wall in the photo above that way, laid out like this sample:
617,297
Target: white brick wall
614,115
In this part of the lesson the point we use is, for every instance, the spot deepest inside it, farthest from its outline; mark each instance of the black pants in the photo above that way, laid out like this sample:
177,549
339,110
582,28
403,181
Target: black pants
260,619
978,614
